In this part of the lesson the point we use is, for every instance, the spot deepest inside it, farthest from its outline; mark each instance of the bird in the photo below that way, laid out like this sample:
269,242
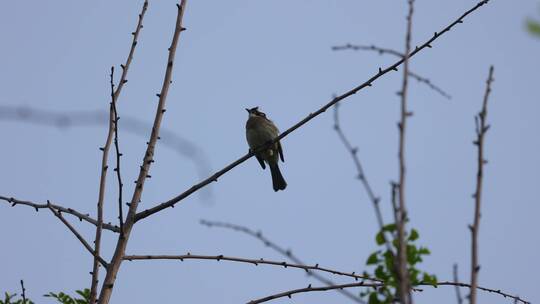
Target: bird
259,131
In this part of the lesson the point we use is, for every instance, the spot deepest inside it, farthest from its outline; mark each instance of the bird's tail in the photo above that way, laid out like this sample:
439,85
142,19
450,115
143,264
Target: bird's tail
277,179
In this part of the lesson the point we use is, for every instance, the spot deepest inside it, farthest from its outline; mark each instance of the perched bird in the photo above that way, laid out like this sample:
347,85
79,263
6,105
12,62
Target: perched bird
259,131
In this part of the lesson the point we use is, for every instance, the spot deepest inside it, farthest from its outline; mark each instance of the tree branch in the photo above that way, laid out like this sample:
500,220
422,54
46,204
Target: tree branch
458,291
255,262
113,121
375,285
81,216
311,289
481,129
77,235
110,278
170,203
382,51
23,294
404,285
285,252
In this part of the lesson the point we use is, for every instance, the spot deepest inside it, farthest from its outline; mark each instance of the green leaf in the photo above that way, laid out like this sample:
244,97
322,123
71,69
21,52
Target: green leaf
379,238
429,279
533,27
373,258
373,299
424,251
389,227
380,273
414,235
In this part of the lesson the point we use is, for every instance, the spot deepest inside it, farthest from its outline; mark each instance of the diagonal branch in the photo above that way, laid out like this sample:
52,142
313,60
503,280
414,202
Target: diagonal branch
382,51
116,261
311,289
170,203
285,252
375,200
77,234
481,129
81,216
255,262
375,285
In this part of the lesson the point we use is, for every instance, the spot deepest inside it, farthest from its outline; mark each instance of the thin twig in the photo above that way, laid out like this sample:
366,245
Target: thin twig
23,292
77,234
170,203
255,262
375,285
285,252
116,261
311,289
490,290
353,151
382,51
481,129
118,155
101,198
79,215
404,286
458,291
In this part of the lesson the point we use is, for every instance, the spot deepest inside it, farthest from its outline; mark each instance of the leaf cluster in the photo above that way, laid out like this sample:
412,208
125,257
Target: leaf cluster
385,264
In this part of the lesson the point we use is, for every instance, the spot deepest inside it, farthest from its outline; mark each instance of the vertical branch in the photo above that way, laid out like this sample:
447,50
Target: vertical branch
481,130
114,265
403,273
113,119
456,280
23,292
101,197
118,154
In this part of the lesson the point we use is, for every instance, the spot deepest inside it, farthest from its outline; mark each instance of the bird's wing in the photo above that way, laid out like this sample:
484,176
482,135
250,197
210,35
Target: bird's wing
280,151
261,161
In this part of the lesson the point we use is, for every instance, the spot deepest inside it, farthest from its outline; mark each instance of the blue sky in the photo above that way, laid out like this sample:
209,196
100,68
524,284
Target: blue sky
56,56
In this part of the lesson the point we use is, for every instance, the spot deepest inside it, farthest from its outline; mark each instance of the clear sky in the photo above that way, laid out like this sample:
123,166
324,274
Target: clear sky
56,56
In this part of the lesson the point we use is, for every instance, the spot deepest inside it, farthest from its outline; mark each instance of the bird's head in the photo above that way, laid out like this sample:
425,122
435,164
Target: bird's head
255,112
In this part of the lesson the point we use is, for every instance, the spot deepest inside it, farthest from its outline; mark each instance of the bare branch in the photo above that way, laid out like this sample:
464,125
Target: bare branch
81,216
311,289
118,155
458,291
481,130
490,290
376,285
170,203
23,294
382,51
113,121
353,151
285,252
106,290
404,285
77,234
101,197
377,49
255,262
